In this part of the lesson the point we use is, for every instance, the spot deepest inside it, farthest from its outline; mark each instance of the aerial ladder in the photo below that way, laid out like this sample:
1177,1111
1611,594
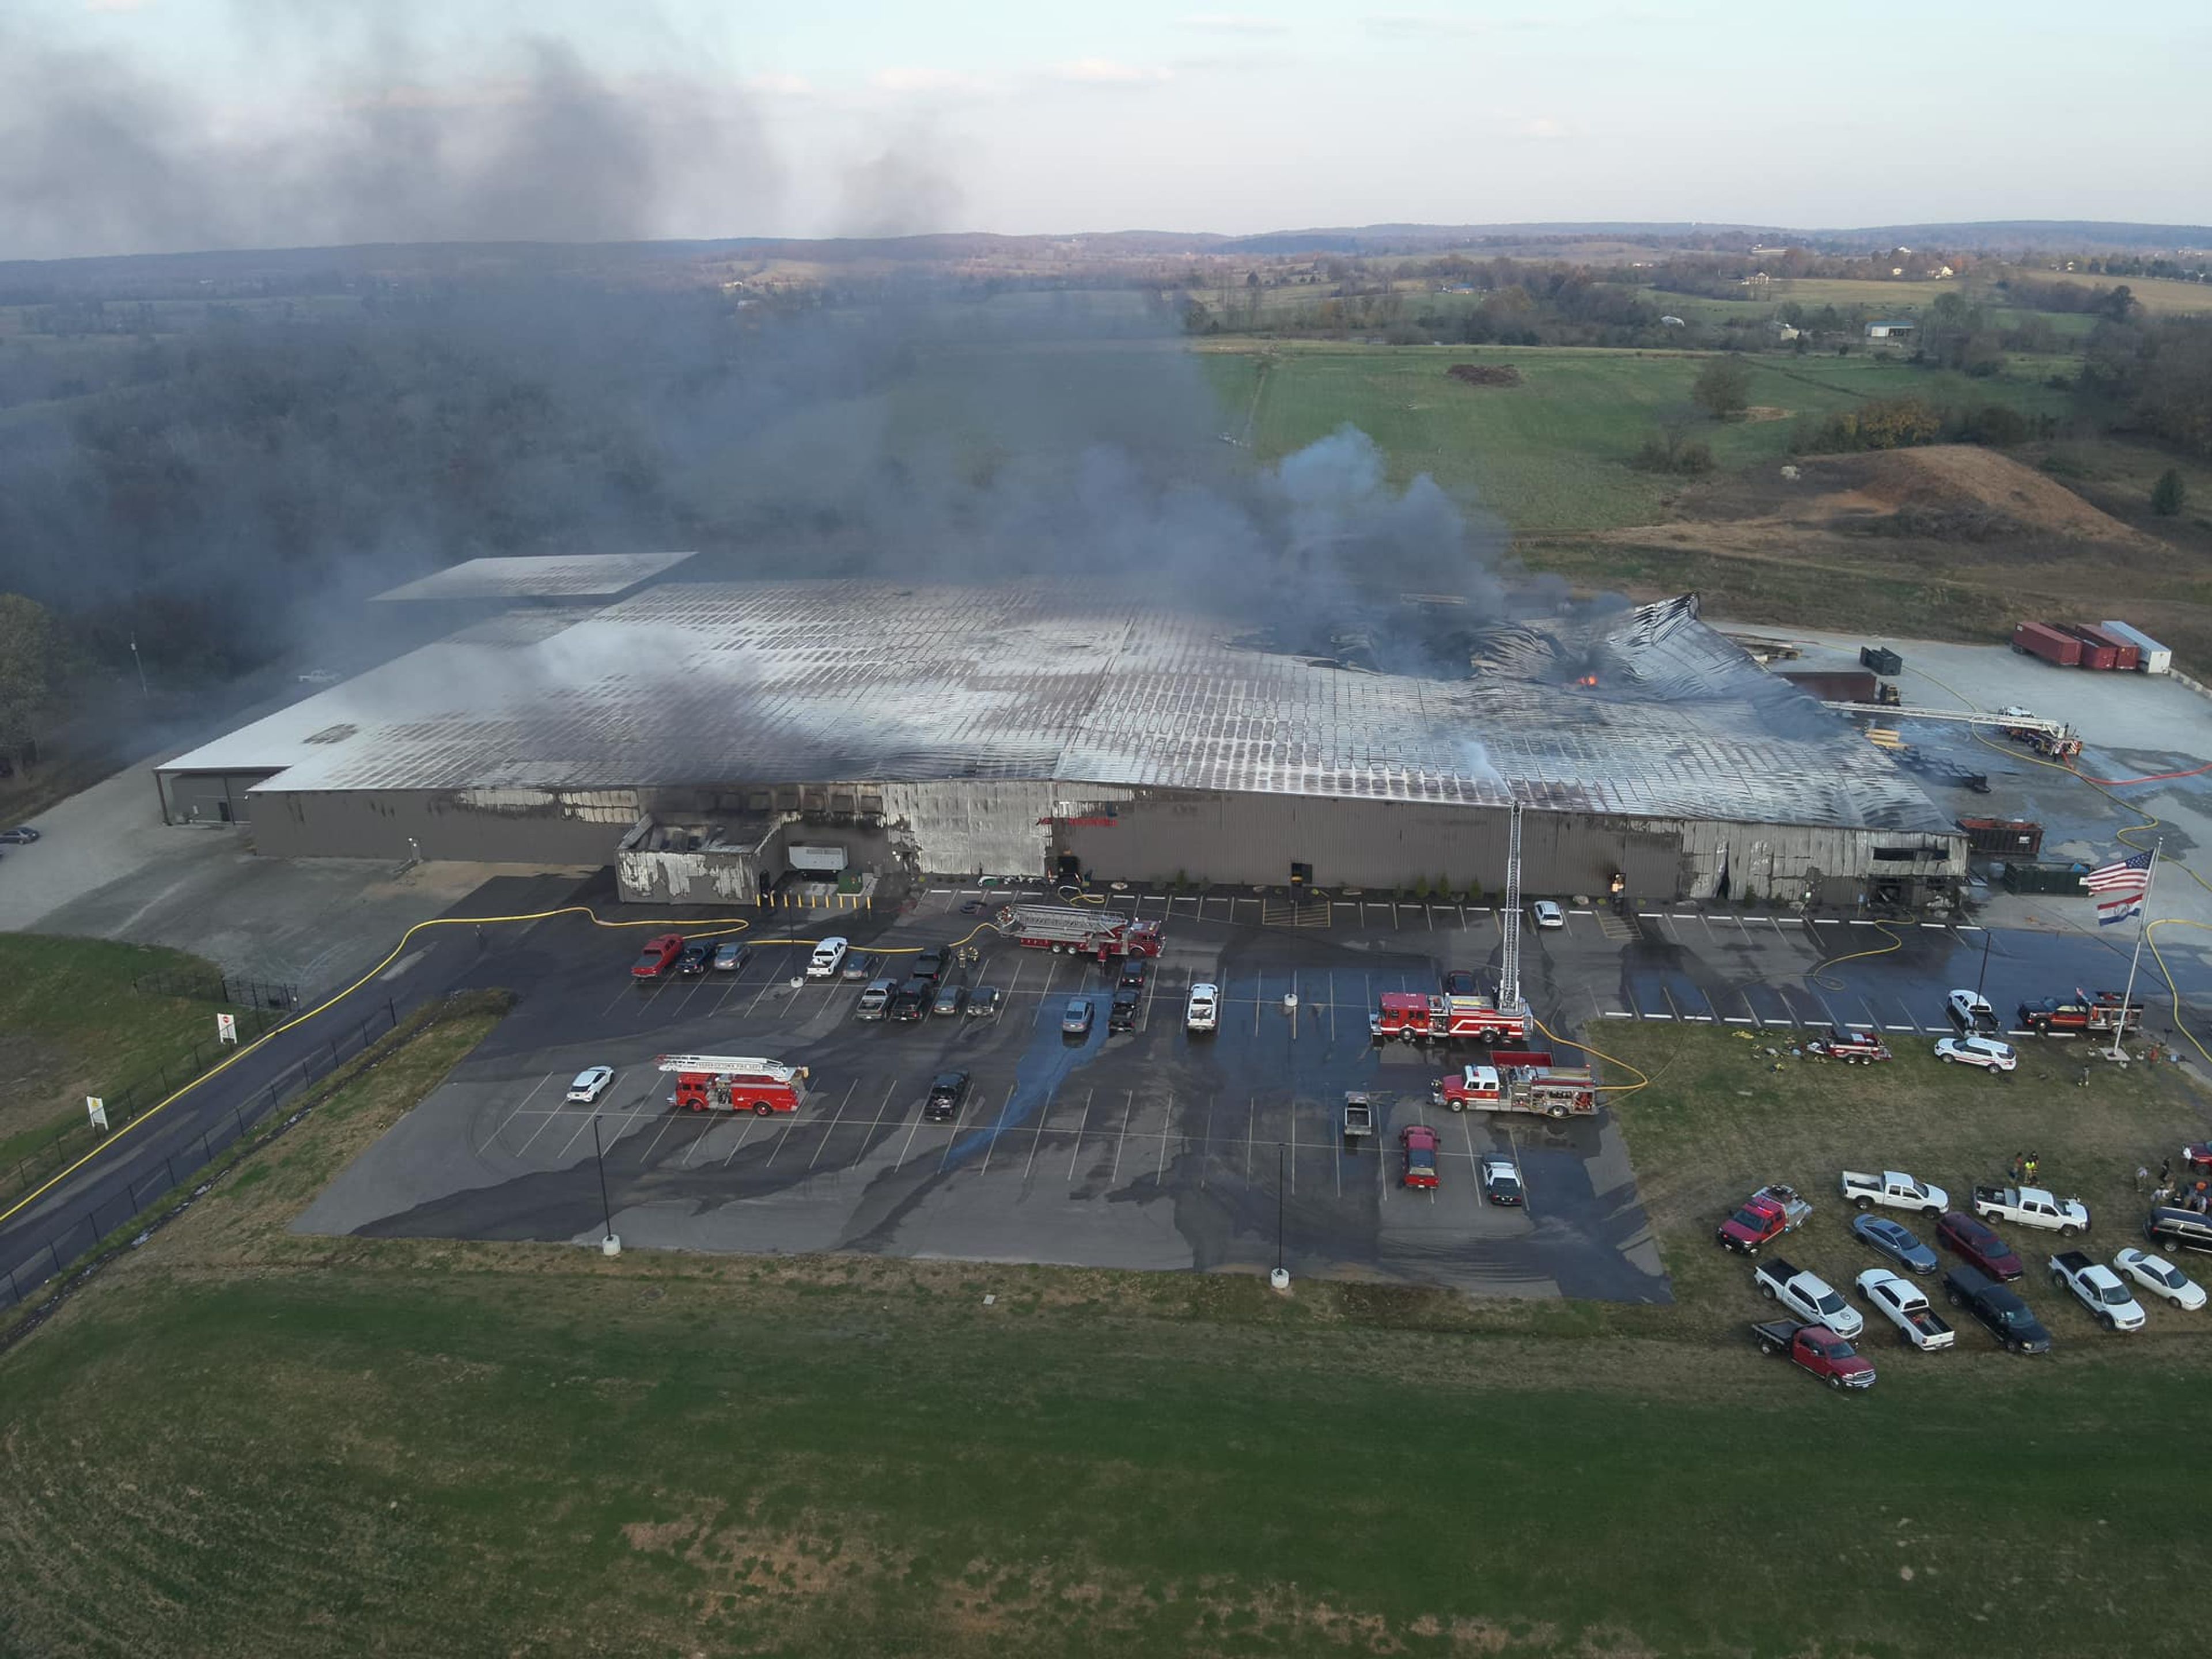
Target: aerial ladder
2052,737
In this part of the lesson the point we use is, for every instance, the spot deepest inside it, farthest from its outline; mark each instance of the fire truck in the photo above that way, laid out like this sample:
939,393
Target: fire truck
1411,1016
1521,1080
735,1083
1079,931
2099,1014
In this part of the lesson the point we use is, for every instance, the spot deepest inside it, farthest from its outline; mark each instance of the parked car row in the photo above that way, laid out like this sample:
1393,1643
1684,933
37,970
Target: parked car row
1979,1283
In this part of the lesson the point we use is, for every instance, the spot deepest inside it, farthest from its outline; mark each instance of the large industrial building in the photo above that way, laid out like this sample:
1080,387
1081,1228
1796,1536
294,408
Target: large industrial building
693,734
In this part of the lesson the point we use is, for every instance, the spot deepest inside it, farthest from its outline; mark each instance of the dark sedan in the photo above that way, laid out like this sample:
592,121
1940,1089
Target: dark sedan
1895,1240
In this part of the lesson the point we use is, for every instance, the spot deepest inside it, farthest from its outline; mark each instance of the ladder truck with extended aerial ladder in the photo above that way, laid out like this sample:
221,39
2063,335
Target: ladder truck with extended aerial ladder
2052,737
1079,931
735,1083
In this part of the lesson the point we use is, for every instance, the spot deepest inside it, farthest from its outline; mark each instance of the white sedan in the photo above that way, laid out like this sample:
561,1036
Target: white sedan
2161,1278
1986,1052
590,1083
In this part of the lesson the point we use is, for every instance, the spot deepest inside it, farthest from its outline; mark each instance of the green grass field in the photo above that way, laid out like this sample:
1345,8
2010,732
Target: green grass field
1552,455
71,1025
242,1441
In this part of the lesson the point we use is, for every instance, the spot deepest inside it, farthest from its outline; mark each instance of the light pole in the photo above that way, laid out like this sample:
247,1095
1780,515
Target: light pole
1982,978
607,1243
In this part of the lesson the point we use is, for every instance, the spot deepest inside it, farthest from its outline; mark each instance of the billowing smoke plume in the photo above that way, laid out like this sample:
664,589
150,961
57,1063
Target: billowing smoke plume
260,441
99,155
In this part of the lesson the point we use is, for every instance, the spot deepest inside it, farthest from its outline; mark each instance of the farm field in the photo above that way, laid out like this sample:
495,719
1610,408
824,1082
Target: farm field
485,1448
1551,456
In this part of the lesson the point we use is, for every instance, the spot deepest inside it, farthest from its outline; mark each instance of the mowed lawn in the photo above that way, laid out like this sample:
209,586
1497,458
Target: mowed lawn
1552,455
72,1025
243,1441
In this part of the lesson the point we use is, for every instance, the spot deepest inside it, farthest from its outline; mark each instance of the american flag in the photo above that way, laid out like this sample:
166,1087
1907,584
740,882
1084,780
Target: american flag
2112,878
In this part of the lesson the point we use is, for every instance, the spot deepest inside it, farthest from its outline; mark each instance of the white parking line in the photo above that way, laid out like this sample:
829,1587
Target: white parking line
1079,1124
1737,1019
840,1113
1128,1105
752,1124
1619,1013
1251,1121
912,1129
1899,1027
511,1116
1161,1174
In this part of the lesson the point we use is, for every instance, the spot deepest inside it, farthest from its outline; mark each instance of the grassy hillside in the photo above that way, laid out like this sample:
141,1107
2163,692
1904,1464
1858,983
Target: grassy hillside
1551,454
463,1449
72,1025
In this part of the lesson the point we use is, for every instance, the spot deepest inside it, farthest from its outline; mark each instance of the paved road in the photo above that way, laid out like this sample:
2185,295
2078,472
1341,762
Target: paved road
137,1167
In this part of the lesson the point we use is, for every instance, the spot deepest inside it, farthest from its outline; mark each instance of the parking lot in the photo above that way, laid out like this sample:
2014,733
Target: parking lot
1152,1148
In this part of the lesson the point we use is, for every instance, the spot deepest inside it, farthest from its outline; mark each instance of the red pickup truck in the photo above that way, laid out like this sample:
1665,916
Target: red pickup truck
1817,1349
1768,1213
659,957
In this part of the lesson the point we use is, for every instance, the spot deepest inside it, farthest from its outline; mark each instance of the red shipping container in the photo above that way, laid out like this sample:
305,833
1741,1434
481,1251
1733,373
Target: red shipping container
2093,655
2040,640
2127,655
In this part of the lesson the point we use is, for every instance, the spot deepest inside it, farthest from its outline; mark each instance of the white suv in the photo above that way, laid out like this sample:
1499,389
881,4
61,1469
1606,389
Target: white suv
1976,1051
1205,1011
828,957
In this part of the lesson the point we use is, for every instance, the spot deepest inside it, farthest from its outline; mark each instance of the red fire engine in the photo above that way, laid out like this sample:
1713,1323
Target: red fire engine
1522,1080
1417,1018
730,1083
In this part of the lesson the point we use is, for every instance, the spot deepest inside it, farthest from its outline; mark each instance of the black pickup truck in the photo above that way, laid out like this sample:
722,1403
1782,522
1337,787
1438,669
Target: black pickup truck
2002,1313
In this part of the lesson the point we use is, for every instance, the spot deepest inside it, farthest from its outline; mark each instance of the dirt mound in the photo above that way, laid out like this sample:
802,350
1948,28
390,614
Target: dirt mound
1964,481
1485,374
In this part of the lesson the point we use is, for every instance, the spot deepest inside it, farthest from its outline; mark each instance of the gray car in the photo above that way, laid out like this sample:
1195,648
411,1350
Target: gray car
1895,1240
1076,1022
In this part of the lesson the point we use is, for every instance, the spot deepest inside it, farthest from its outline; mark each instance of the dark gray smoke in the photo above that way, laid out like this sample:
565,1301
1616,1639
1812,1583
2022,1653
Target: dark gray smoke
99,155
266,440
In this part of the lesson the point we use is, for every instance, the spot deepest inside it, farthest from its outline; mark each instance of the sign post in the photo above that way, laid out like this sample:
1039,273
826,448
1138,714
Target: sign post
226,1028
97,1109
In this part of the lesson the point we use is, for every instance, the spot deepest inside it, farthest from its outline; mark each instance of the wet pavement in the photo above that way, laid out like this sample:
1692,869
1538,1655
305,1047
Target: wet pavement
1150,1149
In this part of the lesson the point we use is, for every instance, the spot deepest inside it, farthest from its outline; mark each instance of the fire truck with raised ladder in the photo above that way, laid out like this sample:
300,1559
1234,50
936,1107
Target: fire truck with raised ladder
2102,1012
1411,1016
735,1083
1078,931
1521,1080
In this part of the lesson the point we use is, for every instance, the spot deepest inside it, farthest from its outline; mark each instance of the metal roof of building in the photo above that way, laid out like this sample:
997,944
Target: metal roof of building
851,681
548,576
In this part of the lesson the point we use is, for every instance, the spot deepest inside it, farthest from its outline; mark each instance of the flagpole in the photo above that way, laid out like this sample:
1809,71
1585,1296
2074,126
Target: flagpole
2143,929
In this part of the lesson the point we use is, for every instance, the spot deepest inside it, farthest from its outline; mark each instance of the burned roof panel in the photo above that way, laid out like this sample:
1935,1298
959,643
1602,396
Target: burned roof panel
600,576
1654,716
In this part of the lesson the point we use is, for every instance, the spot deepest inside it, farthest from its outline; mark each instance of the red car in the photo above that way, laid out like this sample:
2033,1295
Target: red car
1420,1144
659,957
1980,1247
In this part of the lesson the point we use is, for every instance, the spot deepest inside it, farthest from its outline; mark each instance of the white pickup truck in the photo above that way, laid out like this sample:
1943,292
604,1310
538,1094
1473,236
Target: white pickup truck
1895,1190
2032,1206
2099,1289
1811,1296
1904,1305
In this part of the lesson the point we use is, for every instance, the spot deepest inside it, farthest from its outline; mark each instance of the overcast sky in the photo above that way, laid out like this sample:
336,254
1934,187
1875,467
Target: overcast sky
130,125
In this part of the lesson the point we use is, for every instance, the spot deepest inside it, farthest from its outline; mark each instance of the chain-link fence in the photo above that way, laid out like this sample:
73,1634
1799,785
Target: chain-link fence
219,988
132,1100
179,1166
